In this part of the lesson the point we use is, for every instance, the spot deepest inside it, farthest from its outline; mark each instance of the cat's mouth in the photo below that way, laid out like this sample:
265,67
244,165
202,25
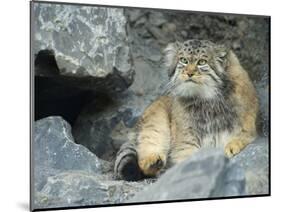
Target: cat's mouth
190,80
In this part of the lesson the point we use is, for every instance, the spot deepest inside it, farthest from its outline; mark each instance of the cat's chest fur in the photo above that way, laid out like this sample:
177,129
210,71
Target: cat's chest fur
210,120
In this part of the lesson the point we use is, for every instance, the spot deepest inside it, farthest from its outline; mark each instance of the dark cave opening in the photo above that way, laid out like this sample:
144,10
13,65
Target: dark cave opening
55,99
57,95
89,103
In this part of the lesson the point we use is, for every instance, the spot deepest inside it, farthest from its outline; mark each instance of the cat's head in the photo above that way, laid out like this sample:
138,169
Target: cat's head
197,68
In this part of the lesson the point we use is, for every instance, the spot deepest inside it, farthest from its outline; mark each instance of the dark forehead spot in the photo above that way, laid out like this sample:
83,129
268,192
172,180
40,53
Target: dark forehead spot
196,46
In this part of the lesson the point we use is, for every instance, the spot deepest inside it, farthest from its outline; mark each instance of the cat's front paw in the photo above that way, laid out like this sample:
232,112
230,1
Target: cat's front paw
152,164
232,148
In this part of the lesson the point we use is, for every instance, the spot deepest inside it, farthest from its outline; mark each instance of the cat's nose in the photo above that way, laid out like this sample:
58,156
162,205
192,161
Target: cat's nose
190,70
190,74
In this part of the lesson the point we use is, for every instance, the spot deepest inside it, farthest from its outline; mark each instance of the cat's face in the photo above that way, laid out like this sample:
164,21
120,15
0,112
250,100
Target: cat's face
196,68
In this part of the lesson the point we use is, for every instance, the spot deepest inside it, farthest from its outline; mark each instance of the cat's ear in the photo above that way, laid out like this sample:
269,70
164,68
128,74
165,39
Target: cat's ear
221,53
171,58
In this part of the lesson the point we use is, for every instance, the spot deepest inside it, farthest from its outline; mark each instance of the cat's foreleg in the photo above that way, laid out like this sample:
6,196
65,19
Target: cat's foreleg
153,142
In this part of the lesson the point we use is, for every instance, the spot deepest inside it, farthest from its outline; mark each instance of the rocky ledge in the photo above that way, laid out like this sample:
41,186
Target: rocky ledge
68,174
87,43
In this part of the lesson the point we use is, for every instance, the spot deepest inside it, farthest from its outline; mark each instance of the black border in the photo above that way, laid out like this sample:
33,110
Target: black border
269,106
31,108
31,90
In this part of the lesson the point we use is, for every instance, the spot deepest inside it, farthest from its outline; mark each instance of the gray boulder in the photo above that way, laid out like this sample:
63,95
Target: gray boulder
106,123
68,174
262,88
89,44
54,151
207,174
77,188
254,159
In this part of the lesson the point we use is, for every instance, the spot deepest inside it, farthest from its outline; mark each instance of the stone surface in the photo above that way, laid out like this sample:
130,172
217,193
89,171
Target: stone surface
54,151
107,122
104,125
68,174
262,87
89,44
207,174
254,159
77,188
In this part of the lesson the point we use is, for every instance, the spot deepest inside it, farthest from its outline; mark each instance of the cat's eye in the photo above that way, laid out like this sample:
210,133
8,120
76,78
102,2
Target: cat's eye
202,62
183,60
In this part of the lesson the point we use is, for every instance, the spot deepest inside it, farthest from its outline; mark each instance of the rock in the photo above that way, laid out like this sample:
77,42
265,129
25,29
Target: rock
80,52
89,44
156,18
254,159
207,174
104,125
68,174
157,34
262,88
134,15
76,188
54,151
170,27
